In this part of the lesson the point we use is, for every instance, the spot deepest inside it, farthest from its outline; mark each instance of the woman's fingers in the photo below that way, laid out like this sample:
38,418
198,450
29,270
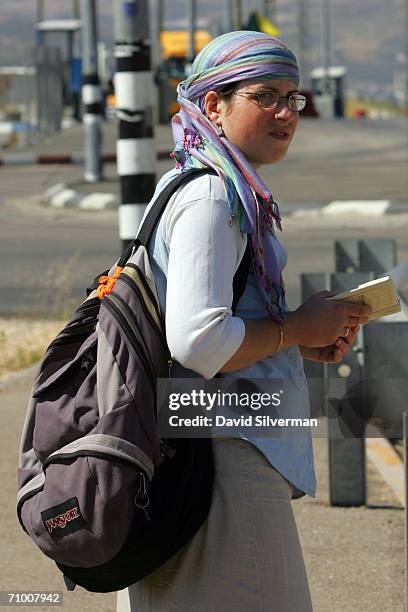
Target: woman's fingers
356,314
351,310
319,322
359,315
335,354
346,341
354,321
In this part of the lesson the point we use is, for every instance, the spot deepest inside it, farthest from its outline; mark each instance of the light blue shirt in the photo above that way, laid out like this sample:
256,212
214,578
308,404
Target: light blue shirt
291,455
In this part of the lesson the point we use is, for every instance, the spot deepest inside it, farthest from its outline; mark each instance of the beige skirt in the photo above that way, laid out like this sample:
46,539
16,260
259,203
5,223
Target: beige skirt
246,557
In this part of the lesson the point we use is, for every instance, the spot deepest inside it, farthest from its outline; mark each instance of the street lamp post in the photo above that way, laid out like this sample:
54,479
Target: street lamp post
91,93
191,5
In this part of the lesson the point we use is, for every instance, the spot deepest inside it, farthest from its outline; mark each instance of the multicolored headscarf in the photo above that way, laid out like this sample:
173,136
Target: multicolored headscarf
233,57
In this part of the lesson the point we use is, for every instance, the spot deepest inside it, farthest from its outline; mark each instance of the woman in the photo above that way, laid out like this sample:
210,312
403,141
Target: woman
239,110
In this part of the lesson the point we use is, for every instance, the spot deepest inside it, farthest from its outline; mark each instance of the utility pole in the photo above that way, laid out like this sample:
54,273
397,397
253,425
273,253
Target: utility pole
237,15
91,94
192,13
326,102
40,18
269,9
40,10
303,40
325,45
136,156
75,9
228,17
157,16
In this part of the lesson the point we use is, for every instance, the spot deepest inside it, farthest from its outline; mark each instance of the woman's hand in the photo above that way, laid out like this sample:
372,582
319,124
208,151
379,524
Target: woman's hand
320,323
334,352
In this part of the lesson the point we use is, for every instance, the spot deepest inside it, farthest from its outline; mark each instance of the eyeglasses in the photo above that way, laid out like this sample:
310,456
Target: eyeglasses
270,99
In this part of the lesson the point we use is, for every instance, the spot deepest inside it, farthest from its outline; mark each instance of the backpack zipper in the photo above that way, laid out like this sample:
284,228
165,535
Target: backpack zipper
142,499
127,328
128,280
146,287
135,327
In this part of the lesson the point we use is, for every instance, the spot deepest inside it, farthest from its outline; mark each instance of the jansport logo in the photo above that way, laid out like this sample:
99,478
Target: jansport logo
62,519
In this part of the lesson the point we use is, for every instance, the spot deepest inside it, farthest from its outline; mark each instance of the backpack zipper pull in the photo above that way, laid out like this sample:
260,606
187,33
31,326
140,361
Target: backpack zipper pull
142,499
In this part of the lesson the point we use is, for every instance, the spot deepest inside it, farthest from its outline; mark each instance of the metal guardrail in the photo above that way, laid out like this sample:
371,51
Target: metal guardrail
357,261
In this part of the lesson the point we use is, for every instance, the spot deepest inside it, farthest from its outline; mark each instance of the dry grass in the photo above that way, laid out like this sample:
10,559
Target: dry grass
23,342
25,335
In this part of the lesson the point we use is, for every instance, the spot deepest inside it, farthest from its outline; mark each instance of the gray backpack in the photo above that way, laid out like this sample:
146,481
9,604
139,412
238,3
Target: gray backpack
99,492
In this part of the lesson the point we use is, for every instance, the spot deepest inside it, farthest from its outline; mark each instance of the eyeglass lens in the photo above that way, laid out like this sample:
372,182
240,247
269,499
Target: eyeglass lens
270,99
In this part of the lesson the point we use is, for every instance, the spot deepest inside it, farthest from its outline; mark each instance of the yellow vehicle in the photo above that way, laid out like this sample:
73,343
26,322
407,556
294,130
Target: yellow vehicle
175,43
175,49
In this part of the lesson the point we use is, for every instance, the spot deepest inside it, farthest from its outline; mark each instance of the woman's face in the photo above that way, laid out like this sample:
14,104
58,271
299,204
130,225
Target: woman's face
262,134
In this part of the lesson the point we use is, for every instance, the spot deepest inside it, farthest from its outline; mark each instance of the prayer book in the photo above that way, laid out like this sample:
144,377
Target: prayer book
379,294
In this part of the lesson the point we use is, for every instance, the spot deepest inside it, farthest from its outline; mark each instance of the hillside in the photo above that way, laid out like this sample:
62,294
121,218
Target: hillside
366,36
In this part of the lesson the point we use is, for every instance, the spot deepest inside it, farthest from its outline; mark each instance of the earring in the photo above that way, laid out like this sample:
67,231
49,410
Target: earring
220,131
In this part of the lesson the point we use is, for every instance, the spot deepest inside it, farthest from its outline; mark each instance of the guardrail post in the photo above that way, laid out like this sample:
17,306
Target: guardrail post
346,452
377,255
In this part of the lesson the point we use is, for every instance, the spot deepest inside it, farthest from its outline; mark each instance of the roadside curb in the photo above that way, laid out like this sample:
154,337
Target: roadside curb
28,159
61,196
344,208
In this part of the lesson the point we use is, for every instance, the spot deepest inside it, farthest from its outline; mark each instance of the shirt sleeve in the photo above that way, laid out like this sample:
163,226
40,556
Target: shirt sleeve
204,254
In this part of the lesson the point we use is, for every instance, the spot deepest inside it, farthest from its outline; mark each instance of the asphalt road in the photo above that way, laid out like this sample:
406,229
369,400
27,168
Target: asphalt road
47,253
327,160
51,256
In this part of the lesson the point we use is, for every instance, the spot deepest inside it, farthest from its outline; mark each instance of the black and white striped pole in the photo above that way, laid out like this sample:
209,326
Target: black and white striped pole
136,158
91,94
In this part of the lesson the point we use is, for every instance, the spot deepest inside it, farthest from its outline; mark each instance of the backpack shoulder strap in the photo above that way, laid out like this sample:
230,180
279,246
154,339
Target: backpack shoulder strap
157,209
153,217
241,276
